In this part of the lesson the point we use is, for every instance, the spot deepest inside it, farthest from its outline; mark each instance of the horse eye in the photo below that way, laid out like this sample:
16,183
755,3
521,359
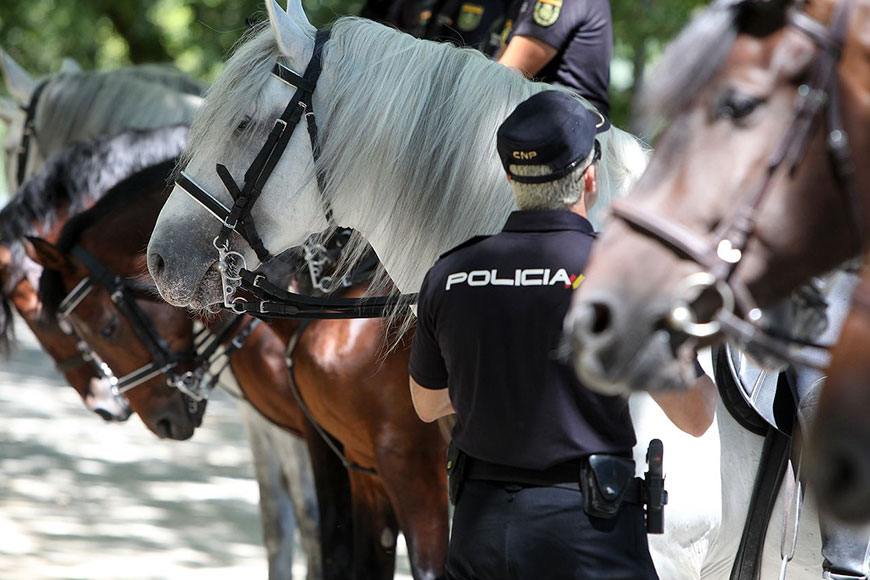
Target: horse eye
244,124
109,329
737,106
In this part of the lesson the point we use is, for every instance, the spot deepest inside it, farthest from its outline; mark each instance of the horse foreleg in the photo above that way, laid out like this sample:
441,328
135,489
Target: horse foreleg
334,505
276,515
374,527
298,478
414,476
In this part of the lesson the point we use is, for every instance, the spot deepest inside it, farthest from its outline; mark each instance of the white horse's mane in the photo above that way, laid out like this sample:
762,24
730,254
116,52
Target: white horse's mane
408,128
92,104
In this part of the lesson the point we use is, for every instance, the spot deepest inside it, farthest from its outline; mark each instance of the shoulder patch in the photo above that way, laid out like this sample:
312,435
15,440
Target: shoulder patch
465,244
546,12
469,17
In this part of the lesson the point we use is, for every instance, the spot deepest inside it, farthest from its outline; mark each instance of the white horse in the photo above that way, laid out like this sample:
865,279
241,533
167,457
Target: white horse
76,106
80,105
407,137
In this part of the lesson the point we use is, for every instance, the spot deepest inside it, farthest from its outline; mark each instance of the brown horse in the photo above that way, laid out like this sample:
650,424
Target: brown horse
748,193
352,390
840,433
69,183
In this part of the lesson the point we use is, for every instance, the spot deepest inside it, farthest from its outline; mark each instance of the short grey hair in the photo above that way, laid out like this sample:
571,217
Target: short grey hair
560,193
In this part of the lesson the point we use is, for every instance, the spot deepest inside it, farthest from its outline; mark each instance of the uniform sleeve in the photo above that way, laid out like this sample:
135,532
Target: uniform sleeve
427,365
551,21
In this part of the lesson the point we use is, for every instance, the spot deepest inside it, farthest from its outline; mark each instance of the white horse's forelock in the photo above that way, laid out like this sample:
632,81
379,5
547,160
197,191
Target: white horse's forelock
92,104
407,127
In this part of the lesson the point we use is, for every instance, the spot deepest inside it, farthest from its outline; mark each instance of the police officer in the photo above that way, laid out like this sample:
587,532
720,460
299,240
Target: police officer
465,22
528,436
564,42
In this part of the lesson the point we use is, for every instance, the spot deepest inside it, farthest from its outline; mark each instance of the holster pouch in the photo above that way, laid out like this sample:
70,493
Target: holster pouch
456,460
603,481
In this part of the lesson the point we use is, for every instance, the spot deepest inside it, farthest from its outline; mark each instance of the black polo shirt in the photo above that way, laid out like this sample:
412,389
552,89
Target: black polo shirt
465,22
581,31
489,327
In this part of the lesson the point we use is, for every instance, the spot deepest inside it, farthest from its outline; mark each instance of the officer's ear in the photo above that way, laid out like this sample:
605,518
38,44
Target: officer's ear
590,186
509,178
590,180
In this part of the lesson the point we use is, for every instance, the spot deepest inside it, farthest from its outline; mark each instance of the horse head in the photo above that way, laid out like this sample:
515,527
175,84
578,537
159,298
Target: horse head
742,200
105,323
241,110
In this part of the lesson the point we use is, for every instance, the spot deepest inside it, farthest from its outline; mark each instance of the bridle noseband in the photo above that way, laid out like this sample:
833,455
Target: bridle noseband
196,384
721,252
273,301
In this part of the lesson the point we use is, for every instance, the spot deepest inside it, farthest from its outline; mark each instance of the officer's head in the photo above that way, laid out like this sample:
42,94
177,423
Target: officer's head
549,150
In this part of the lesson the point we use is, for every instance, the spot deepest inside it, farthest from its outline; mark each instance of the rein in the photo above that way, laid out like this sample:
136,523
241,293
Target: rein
273,301
29,131
720,253
196,384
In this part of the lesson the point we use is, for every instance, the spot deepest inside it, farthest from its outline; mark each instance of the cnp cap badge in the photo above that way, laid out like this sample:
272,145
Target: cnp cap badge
546,12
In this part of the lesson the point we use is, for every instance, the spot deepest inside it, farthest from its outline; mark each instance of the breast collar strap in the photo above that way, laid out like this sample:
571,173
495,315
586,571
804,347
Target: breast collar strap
720,252
29,132
273,301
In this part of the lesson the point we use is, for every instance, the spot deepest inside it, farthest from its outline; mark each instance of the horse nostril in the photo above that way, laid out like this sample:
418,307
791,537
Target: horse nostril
156,264
164,426
601,318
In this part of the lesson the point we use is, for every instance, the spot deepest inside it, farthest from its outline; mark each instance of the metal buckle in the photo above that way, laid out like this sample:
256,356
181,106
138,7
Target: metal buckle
682,318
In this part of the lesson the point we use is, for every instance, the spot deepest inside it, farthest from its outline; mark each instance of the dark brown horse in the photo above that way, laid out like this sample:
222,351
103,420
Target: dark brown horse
69,183
747,195
840,440
353,391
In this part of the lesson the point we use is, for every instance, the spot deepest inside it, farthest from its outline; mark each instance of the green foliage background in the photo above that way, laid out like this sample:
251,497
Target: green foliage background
198,34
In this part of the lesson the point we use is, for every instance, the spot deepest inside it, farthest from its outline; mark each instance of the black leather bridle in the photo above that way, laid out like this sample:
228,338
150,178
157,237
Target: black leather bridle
29,131
271,300
196,384
721,252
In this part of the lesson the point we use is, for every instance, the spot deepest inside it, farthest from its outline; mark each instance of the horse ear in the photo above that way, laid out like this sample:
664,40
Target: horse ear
70,66
46,255
297,12
21,85
8,110
289,34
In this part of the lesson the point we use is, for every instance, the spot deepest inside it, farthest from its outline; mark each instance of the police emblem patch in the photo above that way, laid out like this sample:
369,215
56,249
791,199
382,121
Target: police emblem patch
546,12
469,17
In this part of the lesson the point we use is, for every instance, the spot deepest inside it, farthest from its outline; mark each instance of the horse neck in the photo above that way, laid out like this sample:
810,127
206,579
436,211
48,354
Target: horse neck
83,113
124,254
424,179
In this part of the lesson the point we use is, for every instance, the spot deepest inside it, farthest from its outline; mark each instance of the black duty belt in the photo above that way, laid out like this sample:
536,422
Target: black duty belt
564,475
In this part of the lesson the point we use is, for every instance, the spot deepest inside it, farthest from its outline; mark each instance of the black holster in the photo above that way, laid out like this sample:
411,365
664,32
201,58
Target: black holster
456,460
604,481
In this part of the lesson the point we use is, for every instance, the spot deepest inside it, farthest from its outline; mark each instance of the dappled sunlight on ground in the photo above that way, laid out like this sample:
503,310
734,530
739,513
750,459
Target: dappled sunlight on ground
84,499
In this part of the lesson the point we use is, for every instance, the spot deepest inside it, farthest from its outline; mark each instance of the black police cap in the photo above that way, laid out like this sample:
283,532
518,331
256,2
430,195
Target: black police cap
551,128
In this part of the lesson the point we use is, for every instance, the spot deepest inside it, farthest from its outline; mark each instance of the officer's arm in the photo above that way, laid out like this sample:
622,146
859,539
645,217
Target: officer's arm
430,404
692,410
528,55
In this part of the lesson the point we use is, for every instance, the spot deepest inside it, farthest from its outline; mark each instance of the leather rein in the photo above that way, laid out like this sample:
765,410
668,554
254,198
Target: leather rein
29,132
270,300
720,253
196,384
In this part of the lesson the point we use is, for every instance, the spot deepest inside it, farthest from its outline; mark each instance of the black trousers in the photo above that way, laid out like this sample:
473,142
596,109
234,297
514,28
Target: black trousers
508,532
